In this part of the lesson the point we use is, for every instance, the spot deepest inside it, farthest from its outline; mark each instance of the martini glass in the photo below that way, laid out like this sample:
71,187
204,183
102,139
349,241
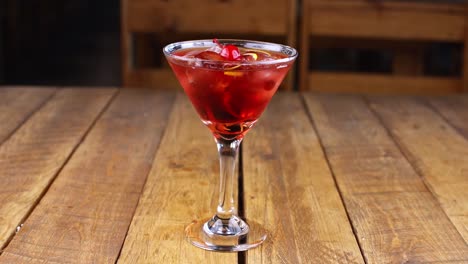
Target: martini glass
230,83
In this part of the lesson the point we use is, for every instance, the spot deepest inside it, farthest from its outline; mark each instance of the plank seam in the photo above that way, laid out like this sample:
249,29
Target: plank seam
52,180
241,255
146,178
407,155
429,105
335,182
28,116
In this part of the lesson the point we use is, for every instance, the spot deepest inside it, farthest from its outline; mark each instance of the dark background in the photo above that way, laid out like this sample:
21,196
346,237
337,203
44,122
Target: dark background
69,42
77,42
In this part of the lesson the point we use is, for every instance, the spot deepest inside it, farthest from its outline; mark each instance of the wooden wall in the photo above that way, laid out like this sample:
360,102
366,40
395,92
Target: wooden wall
31,31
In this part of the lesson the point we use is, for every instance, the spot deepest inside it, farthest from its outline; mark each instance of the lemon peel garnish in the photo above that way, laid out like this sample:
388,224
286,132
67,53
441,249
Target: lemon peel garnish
232,68
230,71
233,73
253,55
257,51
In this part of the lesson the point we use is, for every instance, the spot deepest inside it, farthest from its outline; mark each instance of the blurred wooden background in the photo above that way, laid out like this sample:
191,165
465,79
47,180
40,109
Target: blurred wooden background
400,32
79,42
148,25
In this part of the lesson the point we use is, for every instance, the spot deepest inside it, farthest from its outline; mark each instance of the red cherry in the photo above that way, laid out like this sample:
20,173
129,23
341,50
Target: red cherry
229,52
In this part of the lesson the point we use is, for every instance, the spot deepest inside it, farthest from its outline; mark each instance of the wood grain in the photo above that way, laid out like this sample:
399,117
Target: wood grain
387,19
395,216
30,159
436,150
454,109
179,189
289,189
388,25
17,104
103,181
166,16
305,47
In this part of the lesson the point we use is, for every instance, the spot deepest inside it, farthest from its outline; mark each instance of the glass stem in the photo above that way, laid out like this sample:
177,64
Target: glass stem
228,151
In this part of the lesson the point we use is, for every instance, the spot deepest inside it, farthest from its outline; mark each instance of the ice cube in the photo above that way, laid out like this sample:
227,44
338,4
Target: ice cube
257,55
215,49
249,56
192,53
209,55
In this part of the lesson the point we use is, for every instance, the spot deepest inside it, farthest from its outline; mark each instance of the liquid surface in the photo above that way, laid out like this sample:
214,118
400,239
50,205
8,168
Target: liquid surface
229,98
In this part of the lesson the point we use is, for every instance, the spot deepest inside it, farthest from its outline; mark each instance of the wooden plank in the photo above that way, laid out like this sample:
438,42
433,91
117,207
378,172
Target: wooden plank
291,22
242,16
305,46
291,29
387,19
17,104
454,109
103,181
31,158
436,150
343,42
426,6
395,217
179,189
381,84
126,54
289,189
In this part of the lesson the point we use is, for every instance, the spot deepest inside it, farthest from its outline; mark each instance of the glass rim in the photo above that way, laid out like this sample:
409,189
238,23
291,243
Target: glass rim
291,52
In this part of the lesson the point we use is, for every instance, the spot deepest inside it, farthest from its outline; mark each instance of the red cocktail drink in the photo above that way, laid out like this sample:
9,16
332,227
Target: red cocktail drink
229,94
230,83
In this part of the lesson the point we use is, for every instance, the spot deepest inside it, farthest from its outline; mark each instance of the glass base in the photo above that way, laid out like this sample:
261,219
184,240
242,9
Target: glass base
235,236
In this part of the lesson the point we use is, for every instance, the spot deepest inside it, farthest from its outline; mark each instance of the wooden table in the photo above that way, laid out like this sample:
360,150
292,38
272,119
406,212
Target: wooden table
106,175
